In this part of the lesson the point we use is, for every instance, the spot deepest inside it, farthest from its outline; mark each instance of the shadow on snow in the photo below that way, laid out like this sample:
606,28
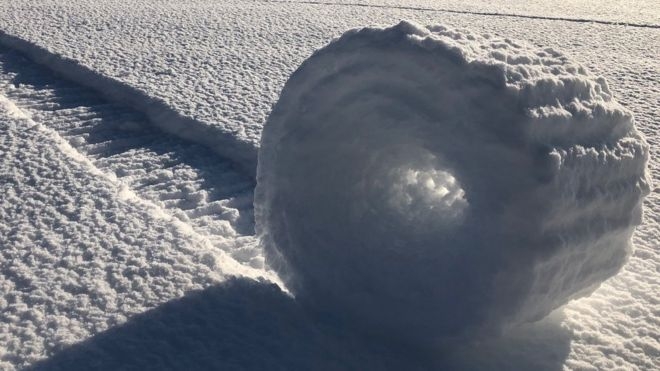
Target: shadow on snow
247,325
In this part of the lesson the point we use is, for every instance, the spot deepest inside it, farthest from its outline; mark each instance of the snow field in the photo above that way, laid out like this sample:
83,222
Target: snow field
211,70
222,64
83,249
188,180
639,12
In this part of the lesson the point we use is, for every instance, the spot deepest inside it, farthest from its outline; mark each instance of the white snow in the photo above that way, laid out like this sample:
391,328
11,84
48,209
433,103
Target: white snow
642,12
186,180
80,252
427,182
210,71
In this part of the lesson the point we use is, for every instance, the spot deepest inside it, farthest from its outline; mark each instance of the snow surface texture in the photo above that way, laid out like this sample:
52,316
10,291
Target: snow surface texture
221,326
640,12
186,180
210,71
222,64
82,250
430,181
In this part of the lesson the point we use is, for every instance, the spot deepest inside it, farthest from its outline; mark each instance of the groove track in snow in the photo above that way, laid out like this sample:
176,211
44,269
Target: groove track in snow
188,180
456,11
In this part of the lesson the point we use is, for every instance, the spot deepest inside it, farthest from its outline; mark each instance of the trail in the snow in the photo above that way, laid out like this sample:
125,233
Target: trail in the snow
456,11
188,180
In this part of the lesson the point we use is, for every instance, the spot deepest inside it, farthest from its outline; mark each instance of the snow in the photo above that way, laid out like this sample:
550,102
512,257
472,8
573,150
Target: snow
640,12
429,182
82,249
186,180
80,253
213,70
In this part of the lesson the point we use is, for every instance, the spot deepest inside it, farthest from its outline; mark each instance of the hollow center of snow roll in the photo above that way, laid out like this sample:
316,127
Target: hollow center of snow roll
422,194
428,193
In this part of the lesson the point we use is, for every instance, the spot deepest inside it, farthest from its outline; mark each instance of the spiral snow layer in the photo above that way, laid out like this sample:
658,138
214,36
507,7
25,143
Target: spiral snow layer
428,182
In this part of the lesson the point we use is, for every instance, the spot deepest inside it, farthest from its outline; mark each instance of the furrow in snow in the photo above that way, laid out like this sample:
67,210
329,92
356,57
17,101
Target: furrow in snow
193,184
470,12
242,153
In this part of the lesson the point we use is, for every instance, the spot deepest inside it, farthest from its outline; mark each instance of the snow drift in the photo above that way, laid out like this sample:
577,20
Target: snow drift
426,182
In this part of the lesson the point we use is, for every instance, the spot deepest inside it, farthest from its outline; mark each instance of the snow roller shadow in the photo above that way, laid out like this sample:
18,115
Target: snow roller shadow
247,325
123,141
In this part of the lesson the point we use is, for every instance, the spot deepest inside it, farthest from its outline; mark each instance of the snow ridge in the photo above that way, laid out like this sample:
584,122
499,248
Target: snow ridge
184,179
227,144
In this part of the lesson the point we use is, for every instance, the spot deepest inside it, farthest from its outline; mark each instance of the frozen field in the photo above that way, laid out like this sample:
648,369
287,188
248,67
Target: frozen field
640,12
199,64
127,169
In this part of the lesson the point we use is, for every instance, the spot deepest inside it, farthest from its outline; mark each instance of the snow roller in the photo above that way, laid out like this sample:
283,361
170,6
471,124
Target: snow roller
429,182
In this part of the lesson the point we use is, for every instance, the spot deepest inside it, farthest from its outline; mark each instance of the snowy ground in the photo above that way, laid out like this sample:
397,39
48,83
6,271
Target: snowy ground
640,12
104,216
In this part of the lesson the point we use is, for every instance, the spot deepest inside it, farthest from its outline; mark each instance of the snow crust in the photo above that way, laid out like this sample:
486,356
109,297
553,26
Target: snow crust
433,182
210,71
81,251
643,12
221,65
